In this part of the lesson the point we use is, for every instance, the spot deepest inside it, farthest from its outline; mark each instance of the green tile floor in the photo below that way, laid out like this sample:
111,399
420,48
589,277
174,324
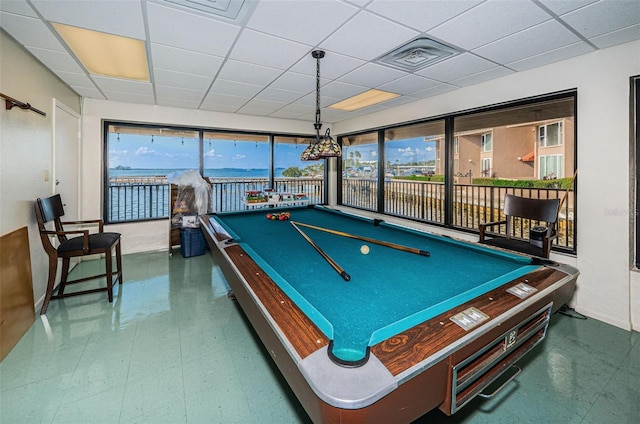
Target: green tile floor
172,348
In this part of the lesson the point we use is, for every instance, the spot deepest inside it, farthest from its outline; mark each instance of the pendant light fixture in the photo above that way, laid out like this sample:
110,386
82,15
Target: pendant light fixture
323,146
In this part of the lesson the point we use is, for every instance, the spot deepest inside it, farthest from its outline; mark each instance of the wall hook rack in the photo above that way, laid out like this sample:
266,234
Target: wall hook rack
10,102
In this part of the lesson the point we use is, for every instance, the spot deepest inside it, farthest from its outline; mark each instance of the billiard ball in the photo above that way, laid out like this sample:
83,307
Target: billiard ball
364,249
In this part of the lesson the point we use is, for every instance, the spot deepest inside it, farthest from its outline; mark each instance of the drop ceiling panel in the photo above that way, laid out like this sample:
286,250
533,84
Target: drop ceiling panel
296,110
179,60
75,79
372,75
368,36
340,90
180,93
118,96
332,66
307,22
488,22
92,93
533,41
546,58
30,32
421,15
409,84
181,79
610,39
217,100
56,61
560,7
457,67
434,91
18,7
250,73
267,50
111,16
234,88
124,86
294,81
176,28
261,107
604,16
483,76
278,95
173,102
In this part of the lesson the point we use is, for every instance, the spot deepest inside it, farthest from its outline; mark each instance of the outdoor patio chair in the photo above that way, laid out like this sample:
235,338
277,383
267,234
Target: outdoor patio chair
540,216
82,244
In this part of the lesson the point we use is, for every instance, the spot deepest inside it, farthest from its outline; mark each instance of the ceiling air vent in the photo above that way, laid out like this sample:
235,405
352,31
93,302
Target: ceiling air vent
233,10
417,54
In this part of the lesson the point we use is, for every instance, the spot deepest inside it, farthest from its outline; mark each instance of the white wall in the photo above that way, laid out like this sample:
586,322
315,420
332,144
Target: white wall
153,235
25,146
607,289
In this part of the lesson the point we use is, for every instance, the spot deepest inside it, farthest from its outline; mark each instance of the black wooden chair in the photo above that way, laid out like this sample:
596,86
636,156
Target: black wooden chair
84,243
540,214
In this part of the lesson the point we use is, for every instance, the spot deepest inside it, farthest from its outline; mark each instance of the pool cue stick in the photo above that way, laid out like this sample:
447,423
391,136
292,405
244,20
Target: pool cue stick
566,193
370,240
326,257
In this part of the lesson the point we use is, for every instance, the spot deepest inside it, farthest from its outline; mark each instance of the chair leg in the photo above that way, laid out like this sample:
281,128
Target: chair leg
119,262
53,267
64,276
109,269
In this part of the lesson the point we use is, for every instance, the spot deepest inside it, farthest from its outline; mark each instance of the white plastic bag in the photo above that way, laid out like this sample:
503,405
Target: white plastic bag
193,192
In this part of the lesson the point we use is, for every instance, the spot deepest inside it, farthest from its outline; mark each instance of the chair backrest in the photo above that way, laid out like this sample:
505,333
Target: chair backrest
52,208
47,210
536,209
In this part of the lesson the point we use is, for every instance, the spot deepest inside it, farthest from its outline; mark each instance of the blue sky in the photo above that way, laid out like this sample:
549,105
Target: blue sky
138,151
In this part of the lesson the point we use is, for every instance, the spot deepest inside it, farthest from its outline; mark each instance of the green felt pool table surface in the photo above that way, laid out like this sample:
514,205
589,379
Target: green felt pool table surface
389,291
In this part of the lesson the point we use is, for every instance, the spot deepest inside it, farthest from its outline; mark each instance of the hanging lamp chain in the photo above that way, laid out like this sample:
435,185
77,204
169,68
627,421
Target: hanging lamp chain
318,124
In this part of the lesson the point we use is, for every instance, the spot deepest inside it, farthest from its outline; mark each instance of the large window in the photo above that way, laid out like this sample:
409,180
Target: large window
235,155
360,171
141,160
414,172
293,174
138,160
287,161
525,148
531,146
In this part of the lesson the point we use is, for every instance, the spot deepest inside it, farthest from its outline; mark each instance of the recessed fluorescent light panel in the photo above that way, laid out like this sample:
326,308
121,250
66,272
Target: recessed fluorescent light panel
417,54
107,54
362,100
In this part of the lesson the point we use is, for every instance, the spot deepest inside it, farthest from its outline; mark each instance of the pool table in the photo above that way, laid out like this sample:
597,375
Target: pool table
423,321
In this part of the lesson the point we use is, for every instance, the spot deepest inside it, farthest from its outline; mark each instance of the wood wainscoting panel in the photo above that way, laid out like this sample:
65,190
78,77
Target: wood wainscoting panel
16,289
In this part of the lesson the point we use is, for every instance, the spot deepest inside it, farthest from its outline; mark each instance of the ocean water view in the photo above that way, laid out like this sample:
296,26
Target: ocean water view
123,172
135,194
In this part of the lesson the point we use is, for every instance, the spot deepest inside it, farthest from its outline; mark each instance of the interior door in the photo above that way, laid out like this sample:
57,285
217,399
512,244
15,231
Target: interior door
66,159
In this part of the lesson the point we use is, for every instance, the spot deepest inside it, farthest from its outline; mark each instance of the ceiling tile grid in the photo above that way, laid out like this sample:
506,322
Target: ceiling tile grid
260,62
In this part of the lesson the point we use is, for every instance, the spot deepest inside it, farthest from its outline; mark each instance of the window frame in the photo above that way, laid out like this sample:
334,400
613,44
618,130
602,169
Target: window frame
450,156
106,123
543,139
484,142
559,160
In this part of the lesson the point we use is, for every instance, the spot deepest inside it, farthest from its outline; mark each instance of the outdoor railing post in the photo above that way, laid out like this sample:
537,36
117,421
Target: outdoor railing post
492,204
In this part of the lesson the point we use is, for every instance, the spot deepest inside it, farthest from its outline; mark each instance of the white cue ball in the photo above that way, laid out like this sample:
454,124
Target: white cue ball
364,249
